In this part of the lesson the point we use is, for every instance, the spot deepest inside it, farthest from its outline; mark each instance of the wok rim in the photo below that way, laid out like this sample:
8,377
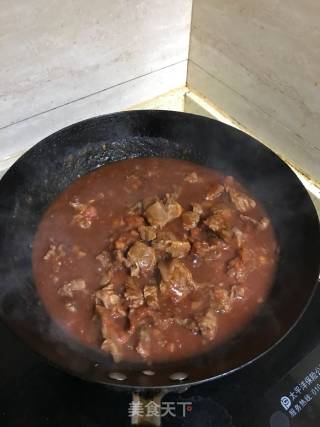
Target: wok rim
186,383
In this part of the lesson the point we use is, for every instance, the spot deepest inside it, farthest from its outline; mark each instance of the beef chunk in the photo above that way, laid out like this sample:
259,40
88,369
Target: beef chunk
173,208
176,248
148,201
160,213
114,348
126,239
197,208
121,259
241,201
143,316
177,281
243,264
111,300
190,220
147,232
150,293
104,258
187,323
191,177
216,223
249,219
221,221
164,236
133,293
133,221
195,234
209,251
240,236
157,214
263,224
142,258
51,252
237,292
208,324
201,248
136,209
106,277
167,242
215,192
115,338
221,300
70,306
73,286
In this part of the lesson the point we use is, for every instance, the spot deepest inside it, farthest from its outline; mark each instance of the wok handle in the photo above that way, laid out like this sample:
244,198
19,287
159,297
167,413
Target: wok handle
145,409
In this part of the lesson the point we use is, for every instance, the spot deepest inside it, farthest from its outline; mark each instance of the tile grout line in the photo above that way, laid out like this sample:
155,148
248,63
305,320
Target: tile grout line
91,94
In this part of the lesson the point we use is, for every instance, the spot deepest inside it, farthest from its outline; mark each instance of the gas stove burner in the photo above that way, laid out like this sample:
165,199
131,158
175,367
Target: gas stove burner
202,411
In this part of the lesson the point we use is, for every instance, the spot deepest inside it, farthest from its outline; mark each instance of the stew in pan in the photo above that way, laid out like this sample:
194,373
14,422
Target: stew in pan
154,259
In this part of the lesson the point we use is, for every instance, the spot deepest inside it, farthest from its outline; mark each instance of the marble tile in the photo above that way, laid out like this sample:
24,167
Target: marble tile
54,53
16,139
260,62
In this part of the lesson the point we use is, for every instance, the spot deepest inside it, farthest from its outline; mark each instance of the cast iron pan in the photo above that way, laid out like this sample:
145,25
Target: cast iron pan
43,172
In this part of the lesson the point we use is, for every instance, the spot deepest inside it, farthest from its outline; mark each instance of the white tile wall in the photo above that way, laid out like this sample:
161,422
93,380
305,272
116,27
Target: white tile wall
259,61
64,60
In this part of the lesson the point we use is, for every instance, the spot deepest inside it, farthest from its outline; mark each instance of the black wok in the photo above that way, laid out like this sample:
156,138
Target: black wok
43,172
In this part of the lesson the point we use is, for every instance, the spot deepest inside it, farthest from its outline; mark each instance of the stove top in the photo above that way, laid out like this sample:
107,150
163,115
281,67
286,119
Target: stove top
282,389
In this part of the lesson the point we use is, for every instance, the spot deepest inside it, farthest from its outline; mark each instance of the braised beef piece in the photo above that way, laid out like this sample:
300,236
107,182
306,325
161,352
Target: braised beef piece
177,281
142,258
133,221
208,324
261,224
126,239
221,299
104,258
215,192
241,201
115,338
168,243
150,293
160,212
133,293
192,178
190,219
221,220
243,264
147,232
110,298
